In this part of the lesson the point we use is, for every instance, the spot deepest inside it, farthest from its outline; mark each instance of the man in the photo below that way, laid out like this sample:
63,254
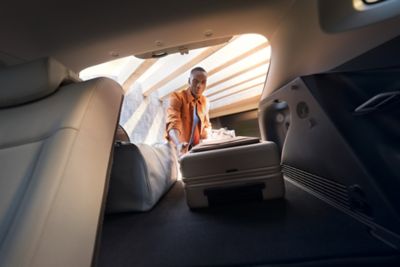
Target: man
187,115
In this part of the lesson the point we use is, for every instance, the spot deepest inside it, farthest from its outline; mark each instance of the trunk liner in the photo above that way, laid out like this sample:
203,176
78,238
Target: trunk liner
299,228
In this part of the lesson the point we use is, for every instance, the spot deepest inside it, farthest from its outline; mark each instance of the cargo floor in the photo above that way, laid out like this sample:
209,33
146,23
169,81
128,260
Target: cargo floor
298,229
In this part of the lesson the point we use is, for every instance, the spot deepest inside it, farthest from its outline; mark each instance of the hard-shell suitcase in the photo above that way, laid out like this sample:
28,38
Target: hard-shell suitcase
235,173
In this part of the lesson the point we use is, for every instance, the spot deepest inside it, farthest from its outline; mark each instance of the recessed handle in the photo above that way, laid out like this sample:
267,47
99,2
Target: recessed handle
378,101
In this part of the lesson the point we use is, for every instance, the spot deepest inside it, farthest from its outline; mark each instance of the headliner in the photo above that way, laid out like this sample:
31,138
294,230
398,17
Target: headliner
82,34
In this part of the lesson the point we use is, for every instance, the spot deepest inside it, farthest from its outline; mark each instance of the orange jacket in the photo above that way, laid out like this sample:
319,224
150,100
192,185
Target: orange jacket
180,114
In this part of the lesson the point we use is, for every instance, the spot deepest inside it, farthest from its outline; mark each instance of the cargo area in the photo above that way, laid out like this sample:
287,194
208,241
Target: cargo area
299,230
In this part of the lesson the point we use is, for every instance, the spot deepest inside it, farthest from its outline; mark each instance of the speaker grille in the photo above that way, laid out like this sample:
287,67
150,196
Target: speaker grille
333,191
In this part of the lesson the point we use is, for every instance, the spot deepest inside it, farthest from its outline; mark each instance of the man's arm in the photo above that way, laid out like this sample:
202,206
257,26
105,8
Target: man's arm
174,124
181,147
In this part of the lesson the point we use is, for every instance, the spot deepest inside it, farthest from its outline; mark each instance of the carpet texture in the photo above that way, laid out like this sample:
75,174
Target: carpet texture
297,229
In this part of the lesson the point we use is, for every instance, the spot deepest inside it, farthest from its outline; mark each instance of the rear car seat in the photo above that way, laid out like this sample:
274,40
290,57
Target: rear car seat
140,176
56,137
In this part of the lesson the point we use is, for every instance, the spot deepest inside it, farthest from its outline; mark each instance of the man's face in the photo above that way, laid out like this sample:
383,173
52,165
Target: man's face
197,82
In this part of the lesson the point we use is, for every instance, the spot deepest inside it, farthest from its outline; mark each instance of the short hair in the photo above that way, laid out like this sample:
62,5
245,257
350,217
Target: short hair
197,69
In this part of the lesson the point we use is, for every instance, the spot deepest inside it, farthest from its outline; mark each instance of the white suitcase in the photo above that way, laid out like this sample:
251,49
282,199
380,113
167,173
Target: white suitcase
245,172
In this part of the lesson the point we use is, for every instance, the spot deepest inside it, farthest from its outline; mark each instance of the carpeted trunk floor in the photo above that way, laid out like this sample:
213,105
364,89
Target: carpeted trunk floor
299,228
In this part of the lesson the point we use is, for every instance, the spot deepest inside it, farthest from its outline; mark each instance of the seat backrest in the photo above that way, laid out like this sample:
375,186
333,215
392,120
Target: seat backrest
56,137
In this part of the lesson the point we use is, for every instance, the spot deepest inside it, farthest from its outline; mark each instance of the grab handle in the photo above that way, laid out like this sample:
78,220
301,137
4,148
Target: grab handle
378,101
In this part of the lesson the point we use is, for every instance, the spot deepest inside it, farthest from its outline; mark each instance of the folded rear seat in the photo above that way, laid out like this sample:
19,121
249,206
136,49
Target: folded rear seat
140,176
242,172
56,135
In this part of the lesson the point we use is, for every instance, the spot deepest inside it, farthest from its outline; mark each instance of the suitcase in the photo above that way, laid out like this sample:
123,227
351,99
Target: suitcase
248,172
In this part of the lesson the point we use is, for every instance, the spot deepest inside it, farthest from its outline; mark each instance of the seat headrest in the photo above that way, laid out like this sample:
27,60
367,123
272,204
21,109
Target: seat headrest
31,81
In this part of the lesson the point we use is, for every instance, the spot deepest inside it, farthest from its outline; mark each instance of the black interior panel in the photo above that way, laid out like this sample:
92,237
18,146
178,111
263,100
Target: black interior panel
328,141
244,123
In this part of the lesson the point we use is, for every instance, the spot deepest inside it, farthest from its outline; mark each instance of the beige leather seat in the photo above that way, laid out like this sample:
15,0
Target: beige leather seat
56,137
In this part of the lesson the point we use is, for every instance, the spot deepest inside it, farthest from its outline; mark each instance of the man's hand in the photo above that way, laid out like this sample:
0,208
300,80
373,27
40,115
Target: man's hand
182,149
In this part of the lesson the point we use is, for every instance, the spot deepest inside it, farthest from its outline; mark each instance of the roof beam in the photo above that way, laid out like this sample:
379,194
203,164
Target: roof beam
238,73
245,104
143,67
238,58
206,53
175,90
227,64
237,92
236,84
